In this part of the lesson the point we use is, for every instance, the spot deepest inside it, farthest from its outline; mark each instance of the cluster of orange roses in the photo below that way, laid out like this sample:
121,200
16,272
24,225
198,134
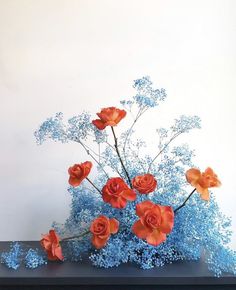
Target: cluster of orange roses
155,221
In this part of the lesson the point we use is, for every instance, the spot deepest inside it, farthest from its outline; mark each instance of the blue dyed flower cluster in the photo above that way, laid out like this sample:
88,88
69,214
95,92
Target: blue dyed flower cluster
148,188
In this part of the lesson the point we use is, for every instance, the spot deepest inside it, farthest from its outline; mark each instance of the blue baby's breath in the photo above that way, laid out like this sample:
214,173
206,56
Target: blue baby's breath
199,226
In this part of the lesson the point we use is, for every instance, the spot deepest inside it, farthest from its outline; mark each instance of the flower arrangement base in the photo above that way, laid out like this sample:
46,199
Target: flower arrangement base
82,275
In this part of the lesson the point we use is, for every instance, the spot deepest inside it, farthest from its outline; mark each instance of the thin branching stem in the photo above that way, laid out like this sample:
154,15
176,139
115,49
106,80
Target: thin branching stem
121,161
89,153
94,185
76,237
130,130
183,204
164,147
112,147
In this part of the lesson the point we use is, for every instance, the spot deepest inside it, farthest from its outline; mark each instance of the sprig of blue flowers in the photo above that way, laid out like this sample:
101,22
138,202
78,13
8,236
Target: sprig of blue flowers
199,225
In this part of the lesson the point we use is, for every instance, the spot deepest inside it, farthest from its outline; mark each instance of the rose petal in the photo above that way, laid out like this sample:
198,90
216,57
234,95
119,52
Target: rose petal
121,115
129,194
118,202
106,197
51,257
58,253
114,226
107,114
204,192
193,175
215,181
87,165
143,206
209,171
74,181
54,236
99,124
167,219
205,195
99,243
156,238
140,230
46,244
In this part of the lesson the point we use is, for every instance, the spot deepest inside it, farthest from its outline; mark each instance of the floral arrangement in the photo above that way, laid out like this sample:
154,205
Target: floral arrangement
149,209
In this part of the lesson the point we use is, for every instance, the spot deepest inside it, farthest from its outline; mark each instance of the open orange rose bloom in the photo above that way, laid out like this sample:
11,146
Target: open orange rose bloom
79,172
101,229
109,117
117,193
50,243
203,181
156,221
144,183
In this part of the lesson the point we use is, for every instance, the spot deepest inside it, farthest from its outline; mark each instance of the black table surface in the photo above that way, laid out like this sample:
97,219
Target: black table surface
83,273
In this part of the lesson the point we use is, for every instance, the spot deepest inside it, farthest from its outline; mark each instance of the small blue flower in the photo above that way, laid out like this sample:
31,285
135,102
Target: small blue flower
13,258
33,259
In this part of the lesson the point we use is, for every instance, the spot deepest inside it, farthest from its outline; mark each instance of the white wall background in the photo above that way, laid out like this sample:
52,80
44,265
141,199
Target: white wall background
58,55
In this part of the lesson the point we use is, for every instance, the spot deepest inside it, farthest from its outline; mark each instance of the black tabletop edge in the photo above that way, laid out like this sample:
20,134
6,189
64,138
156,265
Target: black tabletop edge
83,273
111,281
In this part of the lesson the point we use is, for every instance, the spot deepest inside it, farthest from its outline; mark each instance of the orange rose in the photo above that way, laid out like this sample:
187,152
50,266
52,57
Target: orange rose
50,243
109,117
155,222
101,229
202,181
144,183
79,172
117,193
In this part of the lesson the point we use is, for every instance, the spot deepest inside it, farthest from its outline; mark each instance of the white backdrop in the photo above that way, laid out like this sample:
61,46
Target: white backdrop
58,55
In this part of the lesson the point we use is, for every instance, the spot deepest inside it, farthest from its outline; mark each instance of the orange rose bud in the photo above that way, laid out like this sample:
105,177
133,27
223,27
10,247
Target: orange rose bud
117,193
202,181
109,117
156,221
144,183
101,229
79,172
50,243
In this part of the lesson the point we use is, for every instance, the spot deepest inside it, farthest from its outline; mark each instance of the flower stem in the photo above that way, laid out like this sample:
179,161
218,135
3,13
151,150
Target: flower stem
89,153
76,237
183,204
94,185
139,114
164,147
121,161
